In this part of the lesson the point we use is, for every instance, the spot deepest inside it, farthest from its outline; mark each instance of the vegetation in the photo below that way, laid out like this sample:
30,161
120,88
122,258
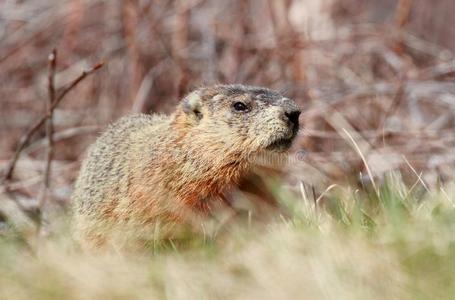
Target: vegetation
356,245
368,201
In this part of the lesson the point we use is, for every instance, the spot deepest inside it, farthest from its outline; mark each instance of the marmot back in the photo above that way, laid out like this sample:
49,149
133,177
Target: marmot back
147,171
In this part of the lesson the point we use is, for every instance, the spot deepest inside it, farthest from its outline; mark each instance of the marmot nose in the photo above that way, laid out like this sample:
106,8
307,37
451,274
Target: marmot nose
293,117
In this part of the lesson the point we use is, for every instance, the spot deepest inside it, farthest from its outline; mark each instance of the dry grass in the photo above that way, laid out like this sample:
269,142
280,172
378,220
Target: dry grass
357,246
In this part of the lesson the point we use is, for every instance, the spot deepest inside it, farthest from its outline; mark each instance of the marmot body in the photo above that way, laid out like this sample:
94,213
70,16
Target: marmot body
146,170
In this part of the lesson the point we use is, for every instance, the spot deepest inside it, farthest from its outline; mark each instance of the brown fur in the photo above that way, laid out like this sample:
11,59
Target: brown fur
154,171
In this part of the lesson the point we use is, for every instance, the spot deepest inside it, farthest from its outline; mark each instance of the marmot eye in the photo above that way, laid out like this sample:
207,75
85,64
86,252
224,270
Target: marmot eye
239,106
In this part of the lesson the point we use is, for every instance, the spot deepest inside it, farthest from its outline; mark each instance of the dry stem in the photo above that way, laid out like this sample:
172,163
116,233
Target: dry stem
26,138
49,132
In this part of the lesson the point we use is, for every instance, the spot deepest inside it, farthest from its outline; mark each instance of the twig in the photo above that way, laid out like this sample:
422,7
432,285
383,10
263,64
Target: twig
49,131
26,138
76,82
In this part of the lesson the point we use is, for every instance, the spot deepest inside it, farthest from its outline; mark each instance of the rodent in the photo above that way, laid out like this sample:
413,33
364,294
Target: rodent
146,170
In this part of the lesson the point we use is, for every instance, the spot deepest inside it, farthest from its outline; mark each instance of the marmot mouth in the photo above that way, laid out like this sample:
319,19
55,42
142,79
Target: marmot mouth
280,144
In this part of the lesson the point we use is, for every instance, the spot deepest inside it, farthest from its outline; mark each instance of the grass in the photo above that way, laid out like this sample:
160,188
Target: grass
399,244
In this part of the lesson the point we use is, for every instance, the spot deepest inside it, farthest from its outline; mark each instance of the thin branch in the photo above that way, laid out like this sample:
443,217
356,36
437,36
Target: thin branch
76,82
26,138
49,129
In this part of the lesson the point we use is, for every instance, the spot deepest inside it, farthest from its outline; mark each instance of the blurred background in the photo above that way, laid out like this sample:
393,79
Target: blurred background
375,77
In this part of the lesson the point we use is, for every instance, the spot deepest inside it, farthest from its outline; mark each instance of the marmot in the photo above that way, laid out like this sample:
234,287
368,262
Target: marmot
146,170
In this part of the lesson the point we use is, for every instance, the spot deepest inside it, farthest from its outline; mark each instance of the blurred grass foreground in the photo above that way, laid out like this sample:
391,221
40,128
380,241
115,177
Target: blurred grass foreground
399,245
367,206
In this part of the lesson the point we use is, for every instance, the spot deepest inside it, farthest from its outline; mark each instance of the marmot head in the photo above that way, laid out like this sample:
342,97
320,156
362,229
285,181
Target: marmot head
243,117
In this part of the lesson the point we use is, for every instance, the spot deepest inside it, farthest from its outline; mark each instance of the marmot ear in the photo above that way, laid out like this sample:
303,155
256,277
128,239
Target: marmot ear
191,105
